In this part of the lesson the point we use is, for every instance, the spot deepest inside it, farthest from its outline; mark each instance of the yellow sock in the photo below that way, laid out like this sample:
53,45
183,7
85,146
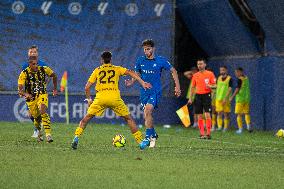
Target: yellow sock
247,118
226,123
138,136
240,121
78,131
213,120
219,121
45,119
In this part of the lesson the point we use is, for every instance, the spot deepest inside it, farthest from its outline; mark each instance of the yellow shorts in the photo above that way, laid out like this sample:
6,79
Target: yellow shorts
223,108
99,105
36,103
242,108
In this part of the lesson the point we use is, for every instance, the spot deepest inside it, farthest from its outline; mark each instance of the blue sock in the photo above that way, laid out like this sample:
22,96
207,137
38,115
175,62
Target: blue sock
150,132
76,139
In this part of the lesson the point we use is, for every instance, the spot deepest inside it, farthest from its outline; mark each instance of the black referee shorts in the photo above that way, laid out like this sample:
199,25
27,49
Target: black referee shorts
202,102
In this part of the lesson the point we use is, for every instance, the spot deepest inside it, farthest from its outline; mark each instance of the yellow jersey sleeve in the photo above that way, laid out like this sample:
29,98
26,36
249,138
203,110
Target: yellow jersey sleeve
22,78
93,77
48,70
121,70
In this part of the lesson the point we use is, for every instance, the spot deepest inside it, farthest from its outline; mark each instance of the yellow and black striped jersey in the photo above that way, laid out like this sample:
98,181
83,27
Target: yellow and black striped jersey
35,82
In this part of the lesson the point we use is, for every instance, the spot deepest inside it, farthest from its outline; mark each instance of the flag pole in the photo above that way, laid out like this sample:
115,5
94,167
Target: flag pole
64,86
67,104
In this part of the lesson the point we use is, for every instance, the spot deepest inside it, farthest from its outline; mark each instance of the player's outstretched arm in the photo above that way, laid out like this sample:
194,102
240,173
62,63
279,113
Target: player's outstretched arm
54,81
130,82
176,80
88,93
135,76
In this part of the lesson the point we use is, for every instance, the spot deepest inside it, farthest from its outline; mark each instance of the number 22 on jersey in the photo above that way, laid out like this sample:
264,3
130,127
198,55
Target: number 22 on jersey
106,76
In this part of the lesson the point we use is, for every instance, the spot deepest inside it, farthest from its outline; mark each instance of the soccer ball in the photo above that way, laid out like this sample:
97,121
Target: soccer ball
118,141
280,133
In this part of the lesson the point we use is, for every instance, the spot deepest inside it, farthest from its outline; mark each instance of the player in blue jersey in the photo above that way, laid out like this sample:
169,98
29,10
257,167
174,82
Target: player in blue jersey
150,67
33,52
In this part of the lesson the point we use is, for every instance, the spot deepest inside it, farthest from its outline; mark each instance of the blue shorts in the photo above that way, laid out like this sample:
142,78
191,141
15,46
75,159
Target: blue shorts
153,99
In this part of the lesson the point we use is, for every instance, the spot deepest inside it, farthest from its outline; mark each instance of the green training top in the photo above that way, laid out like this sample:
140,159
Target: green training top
243,95
222,88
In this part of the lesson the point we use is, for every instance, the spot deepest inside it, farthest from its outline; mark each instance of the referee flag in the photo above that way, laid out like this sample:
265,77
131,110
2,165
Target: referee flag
63,83
183,114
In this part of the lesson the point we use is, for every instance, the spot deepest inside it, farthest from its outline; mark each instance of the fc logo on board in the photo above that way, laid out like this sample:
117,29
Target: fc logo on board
21,111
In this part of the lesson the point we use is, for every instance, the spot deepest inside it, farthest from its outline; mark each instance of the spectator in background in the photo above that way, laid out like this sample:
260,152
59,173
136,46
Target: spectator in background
242,94
188,75
223,93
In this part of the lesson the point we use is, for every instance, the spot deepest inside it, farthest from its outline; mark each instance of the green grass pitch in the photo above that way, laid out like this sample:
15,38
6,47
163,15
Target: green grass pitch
180,160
